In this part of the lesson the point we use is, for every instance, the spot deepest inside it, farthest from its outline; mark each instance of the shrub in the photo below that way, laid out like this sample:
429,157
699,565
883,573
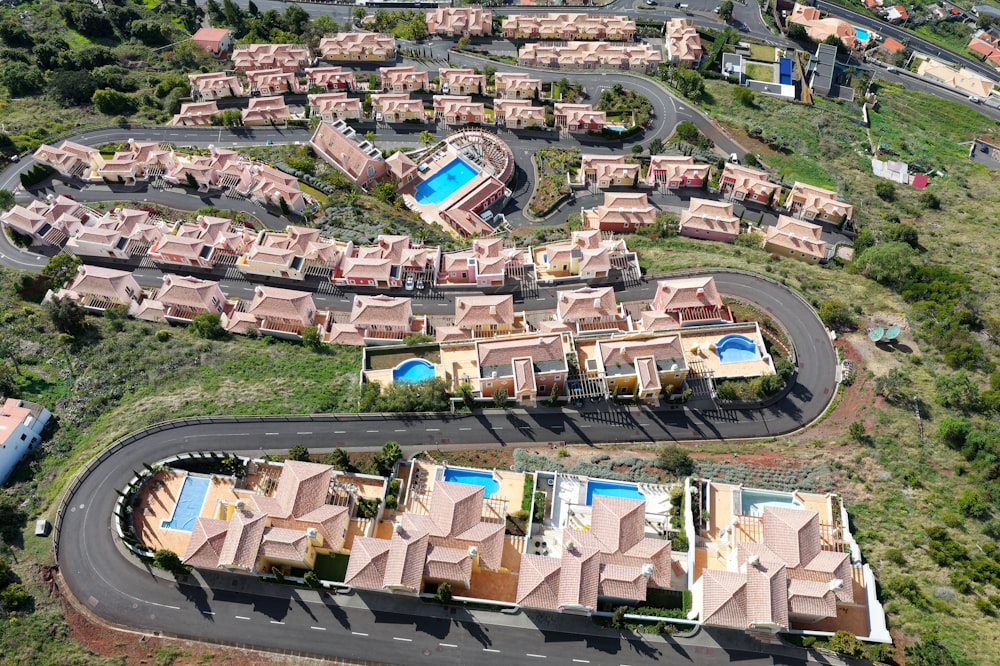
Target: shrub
311,579
679,543
676,460
162,335
15,596
847,643
973,504
985,607
895,555
299,453
885,191
208,325
836,315
170,561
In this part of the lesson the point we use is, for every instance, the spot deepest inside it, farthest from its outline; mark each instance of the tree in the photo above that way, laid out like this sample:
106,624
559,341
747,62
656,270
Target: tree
745,97
299,453
427,138
726,10
359,13
464,41
311,338
894,385
168,560
864,240
847,643
837,43
443,594
468,399
370,137
957,390
637,149
857,431
903,233
338,459
674,459
6,200
836,315
21,79
15,596
8,383
797,32
656,146
110,102
312,580
973,504
930,201
62,268
500,398
71,87
386,459
690,83
885,190
888,263
66,316
954,430
208,325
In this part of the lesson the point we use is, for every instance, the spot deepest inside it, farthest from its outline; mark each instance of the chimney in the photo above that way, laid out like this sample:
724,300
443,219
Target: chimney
493,310
570,547
398,528
700,292
240,505
597,303
836,584
461,305
753,560
647,570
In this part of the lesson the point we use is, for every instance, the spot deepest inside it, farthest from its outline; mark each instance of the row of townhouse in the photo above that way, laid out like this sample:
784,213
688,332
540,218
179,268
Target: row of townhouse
590,55
566,27
474,21
259,111
210,86
220,169
682,42
592,344
664,172
769,569
458,81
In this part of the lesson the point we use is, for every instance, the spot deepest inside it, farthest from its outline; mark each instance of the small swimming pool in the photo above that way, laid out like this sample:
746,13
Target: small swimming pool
413,370
609,489
616,128
862,34
444,182
734,348
473,478
189,503
754,501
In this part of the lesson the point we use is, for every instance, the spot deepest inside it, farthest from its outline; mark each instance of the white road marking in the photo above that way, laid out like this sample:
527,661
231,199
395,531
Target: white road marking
448,645
371,430
318,628
339,432
240,617
208,612
494,428
276,622
585,426
465,428
433,430
536,656
490,650
581,661
303,433
644,425
405,640
358,633
400,430
272,433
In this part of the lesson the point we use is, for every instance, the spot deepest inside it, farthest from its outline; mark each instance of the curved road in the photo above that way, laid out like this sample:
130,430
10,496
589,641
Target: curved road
236,609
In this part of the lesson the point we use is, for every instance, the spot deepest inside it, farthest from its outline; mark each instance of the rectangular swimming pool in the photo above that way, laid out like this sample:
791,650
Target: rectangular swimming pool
189,503
754,501
473,478
444,182
607,488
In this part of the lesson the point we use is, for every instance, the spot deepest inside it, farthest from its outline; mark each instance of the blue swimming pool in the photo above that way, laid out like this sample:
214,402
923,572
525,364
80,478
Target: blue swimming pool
862,34
444,182
413,370
189,503
473,478
754,501
734,348
616,128
607,488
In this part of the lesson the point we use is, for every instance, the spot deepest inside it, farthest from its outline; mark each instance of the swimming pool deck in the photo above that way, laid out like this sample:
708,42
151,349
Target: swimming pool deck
156,504
708,359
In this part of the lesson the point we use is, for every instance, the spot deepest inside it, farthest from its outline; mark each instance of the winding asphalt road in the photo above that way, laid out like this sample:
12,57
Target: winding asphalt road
235,609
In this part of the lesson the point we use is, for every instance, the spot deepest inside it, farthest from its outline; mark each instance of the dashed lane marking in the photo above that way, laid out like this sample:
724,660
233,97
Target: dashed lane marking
241,617
318,628
358,633
405,640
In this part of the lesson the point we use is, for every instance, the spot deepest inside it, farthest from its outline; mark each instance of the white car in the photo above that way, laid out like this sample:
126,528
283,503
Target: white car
410,283
974,99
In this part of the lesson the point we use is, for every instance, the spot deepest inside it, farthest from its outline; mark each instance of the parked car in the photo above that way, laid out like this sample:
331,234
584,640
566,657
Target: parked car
410,283
974,99
891,70
651,3
420,284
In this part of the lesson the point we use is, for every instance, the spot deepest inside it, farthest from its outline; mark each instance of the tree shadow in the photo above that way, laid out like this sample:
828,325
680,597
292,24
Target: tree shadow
197,595
339,614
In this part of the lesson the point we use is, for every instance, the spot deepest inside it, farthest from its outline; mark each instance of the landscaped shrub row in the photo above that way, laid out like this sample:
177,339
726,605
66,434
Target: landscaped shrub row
525,461
36,174
808,478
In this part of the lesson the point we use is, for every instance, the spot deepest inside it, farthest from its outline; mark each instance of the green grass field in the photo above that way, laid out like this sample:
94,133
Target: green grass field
759,72
762,52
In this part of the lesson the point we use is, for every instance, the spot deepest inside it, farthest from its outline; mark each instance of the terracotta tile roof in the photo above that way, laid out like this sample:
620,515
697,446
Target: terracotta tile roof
579,576
330,520
818,200
622,582
346,153
285,544
682,41
381,311
747,180
674,167
724,598
373,268
205,545
400,164
239,322
246,529
609,166
649,378
811,598
552,326
586,303
367,565
502,352
407,555
538,582
345,334
793,534
663,348
456,507
672,295
797,236
767,593
524,375
453,564
106,282
653,320
710,216
451,333
288,304
484,310
340,44
191,292
302,487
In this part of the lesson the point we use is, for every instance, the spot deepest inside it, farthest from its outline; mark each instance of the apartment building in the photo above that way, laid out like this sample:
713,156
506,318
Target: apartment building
709,220
621,212
515,85
518,113
579,117
341,147
334,106
682,42
567,27
472,21
358,46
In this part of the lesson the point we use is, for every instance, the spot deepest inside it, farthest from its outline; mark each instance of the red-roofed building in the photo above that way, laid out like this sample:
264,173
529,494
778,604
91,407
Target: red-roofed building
692,301
217,41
